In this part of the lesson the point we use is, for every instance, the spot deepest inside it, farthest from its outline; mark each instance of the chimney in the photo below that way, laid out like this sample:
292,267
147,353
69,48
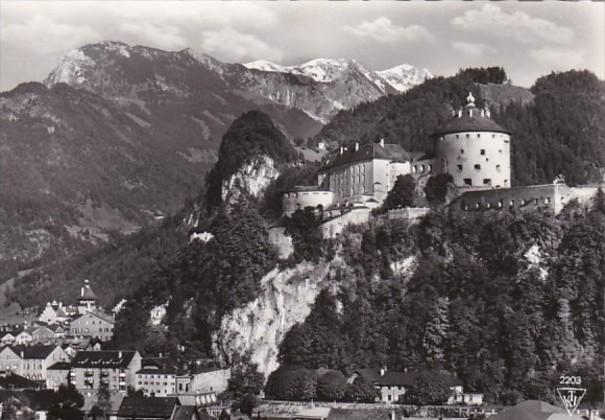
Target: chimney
356,146
120,354
341,149
459,113
383,370
381,142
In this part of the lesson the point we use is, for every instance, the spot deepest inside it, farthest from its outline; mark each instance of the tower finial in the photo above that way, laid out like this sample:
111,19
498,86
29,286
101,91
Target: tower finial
470,99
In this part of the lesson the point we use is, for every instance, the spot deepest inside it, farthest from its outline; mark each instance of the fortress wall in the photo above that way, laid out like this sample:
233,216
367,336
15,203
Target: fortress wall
531,197
294,200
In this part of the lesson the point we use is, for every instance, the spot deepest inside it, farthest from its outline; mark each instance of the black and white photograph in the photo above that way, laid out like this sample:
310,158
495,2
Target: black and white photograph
302,210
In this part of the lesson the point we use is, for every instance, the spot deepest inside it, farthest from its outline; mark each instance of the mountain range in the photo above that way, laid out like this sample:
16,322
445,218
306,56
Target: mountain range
119,136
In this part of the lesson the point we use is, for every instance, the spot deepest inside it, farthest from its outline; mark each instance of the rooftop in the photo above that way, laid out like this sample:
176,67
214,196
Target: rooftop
360,153
60,366
390,378
103,359
471,119
37,351
152,407
86,293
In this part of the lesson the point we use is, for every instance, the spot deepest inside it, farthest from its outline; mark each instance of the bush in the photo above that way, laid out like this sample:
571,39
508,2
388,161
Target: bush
292,383
361,391
403,193
331,386
428,388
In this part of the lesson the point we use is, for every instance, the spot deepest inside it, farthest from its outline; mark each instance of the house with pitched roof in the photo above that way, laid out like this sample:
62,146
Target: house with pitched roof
392,384
36,359
115,368
9,360
43,334
94,325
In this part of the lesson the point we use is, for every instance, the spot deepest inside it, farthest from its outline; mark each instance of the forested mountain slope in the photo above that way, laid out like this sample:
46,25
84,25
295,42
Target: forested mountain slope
558,131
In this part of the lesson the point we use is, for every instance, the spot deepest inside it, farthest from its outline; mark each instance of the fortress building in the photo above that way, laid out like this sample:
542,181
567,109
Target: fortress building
473,149
470,147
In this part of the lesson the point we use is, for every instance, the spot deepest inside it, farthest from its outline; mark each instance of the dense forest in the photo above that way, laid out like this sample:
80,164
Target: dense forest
560,132
507,302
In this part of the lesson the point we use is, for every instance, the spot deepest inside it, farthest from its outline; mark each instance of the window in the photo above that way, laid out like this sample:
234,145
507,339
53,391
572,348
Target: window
459,168
478,135
468,181
478,167
487,181
461,151
457,136
483,152
468,136
498,168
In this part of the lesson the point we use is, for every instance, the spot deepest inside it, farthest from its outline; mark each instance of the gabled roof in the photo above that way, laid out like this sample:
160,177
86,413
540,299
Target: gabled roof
106,359
14,381
60,366
37,351
185,412
368,152
153,407
99,315
394,378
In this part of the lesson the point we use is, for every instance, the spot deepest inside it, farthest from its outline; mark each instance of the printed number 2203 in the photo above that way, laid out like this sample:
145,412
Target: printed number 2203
570,380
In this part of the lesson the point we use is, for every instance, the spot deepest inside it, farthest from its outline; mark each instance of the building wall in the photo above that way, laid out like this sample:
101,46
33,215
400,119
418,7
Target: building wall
56,377
89,325
460,153
294,200
213,381
88,380
390,394
35,369
334,226
158,384
350,182
9,361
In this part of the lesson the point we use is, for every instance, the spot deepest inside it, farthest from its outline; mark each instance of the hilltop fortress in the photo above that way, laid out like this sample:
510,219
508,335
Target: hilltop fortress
470,147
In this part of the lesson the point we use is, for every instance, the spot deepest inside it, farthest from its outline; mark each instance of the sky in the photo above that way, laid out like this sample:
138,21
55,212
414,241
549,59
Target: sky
528,39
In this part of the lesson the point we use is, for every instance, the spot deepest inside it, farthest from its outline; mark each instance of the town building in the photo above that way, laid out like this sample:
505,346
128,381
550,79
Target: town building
93,324
392,385
32,361
114,368
54,313
43,334
156,381
203,380
87,302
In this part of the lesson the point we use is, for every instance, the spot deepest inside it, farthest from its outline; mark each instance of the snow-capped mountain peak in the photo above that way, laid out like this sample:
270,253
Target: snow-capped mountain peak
264,65
404,76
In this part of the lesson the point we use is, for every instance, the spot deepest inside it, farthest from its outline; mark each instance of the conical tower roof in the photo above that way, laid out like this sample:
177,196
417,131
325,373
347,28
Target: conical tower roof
86,293
470,119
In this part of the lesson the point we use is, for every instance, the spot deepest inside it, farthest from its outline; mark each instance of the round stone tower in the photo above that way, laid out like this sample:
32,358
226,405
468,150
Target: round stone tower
473,149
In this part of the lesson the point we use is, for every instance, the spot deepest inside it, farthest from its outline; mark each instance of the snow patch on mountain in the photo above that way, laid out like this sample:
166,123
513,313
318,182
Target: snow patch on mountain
404,76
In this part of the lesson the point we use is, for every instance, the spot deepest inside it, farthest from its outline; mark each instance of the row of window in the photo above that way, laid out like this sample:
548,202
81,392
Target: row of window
481,151
87,330
154,383
154,376
477,167
486,181
478,135
500,203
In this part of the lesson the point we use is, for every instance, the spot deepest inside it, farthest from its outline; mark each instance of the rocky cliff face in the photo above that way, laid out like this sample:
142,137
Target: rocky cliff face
250,181
258,328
